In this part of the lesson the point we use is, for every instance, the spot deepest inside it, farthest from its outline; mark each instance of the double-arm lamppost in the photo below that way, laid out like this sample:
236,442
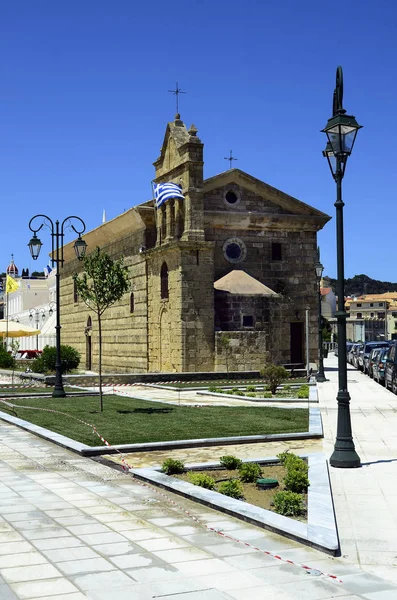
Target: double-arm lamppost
341,131
320,377
57,235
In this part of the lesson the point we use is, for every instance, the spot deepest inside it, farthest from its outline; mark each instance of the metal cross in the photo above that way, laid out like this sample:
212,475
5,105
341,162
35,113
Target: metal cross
230,159
176,93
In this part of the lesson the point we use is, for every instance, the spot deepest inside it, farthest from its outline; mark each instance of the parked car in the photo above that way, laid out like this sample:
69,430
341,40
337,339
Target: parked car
352,352
357,355
378,368
372,360
391,368
364,357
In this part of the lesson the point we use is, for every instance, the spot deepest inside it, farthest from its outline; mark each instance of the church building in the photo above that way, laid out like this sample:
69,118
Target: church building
221,279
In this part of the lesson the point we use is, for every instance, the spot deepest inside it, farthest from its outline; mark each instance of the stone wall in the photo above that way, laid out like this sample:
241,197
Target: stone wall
235,350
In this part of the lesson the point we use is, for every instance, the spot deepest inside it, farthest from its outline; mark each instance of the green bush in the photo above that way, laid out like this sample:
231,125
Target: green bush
293,462
171,466
287,388
250,394
303,391
288,503
212,388
251,388
296,481
250,472
239,393
6,360
234,390
230,462
274,375
70,359
267,395
232,488
203,480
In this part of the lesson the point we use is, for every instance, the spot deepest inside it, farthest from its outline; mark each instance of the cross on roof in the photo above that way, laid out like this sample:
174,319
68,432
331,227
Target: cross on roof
176,93
230,159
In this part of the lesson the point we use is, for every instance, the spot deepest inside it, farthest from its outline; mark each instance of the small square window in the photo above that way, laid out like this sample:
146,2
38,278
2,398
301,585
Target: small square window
358,304
276,251
371,303
248,321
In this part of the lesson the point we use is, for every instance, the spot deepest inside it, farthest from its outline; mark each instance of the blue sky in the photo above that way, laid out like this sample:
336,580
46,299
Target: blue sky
84,106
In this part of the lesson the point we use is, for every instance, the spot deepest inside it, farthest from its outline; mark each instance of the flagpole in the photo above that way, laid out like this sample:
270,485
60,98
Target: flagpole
7,321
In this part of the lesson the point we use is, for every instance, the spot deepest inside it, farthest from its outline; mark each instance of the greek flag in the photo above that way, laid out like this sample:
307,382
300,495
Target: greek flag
47,270
165,191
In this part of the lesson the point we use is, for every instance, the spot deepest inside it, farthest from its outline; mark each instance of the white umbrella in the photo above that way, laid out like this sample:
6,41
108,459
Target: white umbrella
14,329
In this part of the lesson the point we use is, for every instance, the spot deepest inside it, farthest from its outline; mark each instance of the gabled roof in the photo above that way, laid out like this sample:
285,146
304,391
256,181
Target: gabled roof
241,284
262,189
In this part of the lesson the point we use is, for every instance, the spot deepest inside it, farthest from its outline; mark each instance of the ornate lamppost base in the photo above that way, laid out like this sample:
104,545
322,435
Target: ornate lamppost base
345,458
59,393
321,378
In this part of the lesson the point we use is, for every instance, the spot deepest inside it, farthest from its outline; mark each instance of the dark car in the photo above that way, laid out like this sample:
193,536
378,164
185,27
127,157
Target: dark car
373,357
378,368
363,360
391,368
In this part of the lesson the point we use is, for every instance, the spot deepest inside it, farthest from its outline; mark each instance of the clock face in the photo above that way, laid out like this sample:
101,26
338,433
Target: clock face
234,250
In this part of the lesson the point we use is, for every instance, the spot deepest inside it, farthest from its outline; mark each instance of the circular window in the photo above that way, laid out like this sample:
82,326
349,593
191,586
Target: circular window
232,196
234,250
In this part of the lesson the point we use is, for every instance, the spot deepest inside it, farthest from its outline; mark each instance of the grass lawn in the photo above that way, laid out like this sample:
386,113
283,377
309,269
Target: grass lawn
30,390
222,382
127,420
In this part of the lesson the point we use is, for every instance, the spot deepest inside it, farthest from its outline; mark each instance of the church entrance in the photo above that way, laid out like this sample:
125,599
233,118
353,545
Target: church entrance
296,337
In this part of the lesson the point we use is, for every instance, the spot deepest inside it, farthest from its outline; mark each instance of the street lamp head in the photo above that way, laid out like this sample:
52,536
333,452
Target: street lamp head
35,246
80,248
319,270
341,131
330,156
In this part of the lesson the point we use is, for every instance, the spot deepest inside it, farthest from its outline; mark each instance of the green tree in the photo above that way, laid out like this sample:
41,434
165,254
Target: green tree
102,283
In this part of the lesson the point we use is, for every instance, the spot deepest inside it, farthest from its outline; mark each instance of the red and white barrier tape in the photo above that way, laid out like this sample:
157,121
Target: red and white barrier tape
128,468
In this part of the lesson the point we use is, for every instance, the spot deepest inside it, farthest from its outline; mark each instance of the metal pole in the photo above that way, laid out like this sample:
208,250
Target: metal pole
344,454
58,392
320,377
307,345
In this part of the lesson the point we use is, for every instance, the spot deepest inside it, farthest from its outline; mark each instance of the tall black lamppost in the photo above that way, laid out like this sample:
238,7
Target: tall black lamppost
320,377
57,234
341,131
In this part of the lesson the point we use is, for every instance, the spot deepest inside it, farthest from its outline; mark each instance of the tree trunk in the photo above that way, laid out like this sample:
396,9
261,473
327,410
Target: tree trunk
100,362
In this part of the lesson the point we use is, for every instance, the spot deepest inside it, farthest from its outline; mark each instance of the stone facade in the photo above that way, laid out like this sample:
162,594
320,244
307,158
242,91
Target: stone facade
172,319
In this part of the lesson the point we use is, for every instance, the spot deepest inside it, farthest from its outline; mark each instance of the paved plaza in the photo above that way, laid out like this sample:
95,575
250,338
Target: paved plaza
72,528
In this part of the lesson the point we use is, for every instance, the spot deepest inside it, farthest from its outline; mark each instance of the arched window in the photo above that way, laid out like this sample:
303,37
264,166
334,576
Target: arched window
132,302
164,281
89,323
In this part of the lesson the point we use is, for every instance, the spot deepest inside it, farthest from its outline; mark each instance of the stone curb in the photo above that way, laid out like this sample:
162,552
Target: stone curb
319,532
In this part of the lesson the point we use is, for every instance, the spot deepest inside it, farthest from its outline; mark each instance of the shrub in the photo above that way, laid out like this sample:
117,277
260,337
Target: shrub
239,393
171,466
234,390
212,388
250,472
288,503
267,395
292,462
203,480
287,388
250,394
232,488
303,391
251,388
296,481
230,462
274,375
6,360
70,359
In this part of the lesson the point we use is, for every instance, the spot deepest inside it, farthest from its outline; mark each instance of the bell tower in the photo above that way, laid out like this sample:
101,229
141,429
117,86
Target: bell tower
181,162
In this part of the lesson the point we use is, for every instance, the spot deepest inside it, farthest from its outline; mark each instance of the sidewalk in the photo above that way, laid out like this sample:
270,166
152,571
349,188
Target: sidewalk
71,528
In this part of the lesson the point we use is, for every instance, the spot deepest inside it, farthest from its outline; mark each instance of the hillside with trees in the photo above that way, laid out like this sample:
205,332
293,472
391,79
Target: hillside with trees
360,285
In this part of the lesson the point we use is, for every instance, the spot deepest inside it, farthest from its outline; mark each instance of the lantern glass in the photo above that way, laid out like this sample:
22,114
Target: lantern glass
80,248
35,246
